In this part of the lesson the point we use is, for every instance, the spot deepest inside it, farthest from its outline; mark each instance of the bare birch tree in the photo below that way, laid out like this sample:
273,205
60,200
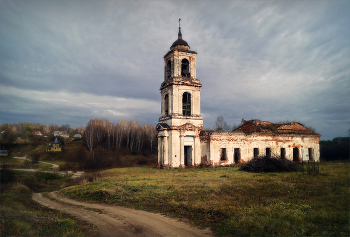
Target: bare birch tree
119,131
221,125
139,137
151,132
131,127
89,136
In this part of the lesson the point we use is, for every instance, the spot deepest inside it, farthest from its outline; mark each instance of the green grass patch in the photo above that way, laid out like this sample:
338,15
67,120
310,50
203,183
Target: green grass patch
39,181
20,216
233,202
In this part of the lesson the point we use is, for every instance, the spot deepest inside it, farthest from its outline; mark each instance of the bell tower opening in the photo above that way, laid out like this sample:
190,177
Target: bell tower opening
166,104
186,104
185,68
168,69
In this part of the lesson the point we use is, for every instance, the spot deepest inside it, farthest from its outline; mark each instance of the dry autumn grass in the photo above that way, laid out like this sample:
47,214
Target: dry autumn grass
21,216
233,202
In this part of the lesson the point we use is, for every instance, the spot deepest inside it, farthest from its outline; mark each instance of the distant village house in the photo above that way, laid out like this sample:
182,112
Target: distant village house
60,133
37,133
77,136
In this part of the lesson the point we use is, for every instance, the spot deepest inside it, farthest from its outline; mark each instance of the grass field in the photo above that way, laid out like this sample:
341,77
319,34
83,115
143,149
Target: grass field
20,216
233,202
11,162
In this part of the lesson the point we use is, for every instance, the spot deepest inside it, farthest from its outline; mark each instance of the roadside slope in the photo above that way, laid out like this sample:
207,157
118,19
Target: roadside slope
120,221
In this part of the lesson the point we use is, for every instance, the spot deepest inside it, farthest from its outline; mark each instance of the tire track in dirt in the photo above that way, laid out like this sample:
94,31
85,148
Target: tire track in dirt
120,221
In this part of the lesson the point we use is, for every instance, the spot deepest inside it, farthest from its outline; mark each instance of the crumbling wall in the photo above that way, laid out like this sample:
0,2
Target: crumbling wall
244,145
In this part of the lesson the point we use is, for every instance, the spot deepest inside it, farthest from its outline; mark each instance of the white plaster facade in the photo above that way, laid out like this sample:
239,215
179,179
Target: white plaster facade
240,147
182,141
180,122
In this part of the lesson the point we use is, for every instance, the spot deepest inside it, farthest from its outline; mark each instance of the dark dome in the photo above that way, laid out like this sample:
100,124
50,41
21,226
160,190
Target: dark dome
179,42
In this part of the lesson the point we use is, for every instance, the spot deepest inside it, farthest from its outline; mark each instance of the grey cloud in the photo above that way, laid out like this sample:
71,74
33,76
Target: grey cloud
274,60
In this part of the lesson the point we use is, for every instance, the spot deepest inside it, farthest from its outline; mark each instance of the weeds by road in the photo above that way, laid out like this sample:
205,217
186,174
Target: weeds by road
233,202
20,216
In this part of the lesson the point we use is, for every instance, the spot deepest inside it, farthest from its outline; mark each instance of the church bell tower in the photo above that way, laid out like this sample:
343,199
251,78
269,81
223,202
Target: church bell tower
180,121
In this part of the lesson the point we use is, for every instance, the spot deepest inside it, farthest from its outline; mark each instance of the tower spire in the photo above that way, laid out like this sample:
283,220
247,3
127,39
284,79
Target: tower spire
179,35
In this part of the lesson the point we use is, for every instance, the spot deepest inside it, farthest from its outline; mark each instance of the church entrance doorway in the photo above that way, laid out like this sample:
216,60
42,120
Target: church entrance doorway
188,155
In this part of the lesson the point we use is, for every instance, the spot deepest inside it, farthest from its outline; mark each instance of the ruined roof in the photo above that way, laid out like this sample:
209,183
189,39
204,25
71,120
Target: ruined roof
258,126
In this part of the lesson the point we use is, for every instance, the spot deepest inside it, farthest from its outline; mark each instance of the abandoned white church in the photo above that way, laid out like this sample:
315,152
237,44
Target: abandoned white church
182,142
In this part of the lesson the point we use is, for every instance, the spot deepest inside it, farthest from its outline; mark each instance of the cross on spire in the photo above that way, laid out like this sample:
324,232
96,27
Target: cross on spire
180,35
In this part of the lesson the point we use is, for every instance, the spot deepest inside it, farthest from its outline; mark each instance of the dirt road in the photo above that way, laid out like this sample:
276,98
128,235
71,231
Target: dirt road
120,221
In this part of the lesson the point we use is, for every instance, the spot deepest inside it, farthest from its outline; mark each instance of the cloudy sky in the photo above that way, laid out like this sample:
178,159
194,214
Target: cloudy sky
66,62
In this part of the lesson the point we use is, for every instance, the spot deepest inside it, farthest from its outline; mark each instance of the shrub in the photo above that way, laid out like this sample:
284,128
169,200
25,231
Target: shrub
85,178
6,175
47,175
142,161
270,164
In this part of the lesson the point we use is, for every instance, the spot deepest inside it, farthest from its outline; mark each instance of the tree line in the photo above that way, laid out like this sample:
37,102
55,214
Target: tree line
126,133
335,150
99,131
21,128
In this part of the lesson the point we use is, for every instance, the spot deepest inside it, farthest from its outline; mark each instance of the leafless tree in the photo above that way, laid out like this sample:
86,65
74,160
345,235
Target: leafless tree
139,137
53,127
109,129
221,125
131,127
89,136
151,132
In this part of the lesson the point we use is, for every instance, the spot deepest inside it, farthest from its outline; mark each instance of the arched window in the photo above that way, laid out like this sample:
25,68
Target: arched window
166,104
168,69
186,104
185,68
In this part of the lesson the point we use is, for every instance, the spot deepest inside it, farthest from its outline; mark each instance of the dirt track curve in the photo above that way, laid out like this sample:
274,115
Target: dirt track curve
120,221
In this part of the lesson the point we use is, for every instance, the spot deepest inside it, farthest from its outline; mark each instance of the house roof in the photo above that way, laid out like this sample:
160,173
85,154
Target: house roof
258,126
56,141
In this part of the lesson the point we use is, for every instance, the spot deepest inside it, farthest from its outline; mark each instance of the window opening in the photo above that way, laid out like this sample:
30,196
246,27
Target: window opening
185,68
283,153
223,153
256,152
295,154
311,157
237,155
166,104
268,152
186,104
